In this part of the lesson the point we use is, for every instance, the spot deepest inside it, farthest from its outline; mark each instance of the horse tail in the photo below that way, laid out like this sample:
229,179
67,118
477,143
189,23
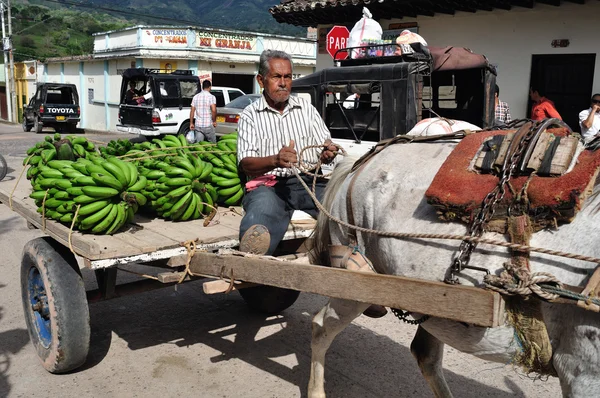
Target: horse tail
321,238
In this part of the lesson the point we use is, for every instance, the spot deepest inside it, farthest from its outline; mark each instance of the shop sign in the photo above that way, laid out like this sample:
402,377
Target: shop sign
225,41
165,37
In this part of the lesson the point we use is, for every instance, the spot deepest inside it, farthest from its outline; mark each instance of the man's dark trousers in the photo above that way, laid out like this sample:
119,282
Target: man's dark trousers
273,206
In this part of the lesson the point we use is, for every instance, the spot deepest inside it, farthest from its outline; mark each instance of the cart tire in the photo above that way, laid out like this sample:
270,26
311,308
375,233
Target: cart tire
59,325
269,299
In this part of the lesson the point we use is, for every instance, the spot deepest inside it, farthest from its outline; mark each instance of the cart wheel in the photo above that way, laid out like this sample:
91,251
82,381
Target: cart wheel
55,305
269,299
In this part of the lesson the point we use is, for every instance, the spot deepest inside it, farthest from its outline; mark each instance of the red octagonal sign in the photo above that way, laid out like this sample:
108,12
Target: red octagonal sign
337,38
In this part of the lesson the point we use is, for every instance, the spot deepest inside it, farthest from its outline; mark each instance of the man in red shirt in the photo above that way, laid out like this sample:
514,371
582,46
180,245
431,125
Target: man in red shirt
542,107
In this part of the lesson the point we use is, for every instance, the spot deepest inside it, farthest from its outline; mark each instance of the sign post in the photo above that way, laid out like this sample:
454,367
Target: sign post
337,39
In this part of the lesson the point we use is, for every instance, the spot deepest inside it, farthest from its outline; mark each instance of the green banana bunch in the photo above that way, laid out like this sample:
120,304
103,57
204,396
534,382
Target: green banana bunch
106,191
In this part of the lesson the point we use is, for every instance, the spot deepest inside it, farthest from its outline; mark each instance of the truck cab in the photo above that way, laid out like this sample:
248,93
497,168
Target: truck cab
53,105
365,100
160,104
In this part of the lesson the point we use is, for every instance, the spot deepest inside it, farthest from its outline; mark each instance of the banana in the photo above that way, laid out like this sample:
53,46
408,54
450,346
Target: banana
230,136
95,168
99,192
84,199
92,208
79,141
62,195
134,197
107,180
177,192
107,221
117,173
164,166
207,200
235,198
178,172
227,192
139,185
80,167
59,164
206,171
38,195
199,207
228,183
68,217
172,139
185,164
93,219
53,203
160,201
89,146
155,174
224,173
84,161
75,191
198,165
48,155
51,173
159,143
177,182
63,184
120,219
73,174
182,140
212,191
85,181
31,150
35,159
181,205
124,169
79,150
133,171
216,161
191,208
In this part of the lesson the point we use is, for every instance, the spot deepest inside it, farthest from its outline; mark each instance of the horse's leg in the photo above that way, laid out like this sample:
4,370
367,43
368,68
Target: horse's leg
328,323
429,352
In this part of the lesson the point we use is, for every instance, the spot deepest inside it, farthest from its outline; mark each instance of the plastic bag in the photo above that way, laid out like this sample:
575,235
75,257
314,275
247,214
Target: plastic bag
404,41
365,28
440,126
191,136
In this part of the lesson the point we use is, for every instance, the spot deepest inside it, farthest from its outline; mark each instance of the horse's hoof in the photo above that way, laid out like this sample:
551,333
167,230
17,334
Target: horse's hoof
256,240
375,311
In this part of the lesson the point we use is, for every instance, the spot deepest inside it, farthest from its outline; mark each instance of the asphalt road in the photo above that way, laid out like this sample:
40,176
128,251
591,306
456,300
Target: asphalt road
179,343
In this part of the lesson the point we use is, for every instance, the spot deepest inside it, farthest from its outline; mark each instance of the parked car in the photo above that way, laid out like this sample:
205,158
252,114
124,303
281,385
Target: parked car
229,115
54,105
225,95
166,105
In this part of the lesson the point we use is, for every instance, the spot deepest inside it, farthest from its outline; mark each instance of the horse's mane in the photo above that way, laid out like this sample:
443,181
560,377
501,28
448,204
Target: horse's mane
321,238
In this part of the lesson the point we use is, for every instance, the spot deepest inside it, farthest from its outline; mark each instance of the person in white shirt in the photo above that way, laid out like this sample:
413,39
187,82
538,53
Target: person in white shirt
352,101
589,120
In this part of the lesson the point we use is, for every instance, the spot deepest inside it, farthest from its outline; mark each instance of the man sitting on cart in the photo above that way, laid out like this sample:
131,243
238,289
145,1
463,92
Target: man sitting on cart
271,133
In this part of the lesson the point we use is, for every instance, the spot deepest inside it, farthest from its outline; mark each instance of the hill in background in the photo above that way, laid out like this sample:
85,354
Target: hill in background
55,28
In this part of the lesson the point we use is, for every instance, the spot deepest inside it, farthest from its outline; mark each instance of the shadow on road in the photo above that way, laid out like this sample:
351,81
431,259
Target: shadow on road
11,342
360,362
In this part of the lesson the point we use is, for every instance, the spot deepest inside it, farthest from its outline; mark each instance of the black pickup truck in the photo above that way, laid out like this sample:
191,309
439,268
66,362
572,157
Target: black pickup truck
54,105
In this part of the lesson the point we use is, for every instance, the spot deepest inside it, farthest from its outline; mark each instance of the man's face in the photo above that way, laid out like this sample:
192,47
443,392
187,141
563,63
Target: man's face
596,101
278,82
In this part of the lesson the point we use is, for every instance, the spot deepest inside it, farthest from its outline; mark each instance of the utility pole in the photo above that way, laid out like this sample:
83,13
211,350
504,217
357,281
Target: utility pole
6,44
13,86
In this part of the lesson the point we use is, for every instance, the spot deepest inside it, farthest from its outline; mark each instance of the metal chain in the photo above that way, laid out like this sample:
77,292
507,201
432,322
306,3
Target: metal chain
488,207
403,316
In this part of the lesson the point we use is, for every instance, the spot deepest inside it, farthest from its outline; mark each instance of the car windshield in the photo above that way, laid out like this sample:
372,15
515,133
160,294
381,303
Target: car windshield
243,101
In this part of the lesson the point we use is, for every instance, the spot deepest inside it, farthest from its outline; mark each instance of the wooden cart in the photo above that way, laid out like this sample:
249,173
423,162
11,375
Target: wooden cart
56,303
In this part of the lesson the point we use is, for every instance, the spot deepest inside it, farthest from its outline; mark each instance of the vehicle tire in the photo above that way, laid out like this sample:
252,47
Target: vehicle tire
26,127
3,168
269,299
37,126
185,128
55,305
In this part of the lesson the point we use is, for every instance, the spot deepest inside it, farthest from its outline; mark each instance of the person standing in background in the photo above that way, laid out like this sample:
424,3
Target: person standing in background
203,114
502,109
542,107
589,120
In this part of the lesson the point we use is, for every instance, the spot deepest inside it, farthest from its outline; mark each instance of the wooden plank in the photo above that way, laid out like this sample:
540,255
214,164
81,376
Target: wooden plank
221,286
460,303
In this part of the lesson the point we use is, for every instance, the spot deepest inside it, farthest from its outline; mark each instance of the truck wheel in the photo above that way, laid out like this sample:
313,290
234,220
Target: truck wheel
26,127
37,126
269,299
55,305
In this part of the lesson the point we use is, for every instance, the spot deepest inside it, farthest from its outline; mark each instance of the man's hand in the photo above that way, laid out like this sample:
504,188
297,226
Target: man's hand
192,126
595,108
214,124
329,152
287,156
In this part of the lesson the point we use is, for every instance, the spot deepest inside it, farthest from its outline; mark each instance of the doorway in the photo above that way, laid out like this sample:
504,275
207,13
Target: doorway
565,79
242,82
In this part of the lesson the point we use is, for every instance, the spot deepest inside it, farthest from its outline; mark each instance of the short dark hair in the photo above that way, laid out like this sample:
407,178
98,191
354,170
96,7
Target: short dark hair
539,90
206,84
595,95
497,90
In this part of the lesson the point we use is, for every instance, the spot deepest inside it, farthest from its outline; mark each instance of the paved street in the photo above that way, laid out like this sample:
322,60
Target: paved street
180,342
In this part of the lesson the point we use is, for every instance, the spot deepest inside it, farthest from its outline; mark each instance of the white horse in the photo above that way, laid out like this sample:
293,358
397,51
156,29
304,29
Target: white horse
389,195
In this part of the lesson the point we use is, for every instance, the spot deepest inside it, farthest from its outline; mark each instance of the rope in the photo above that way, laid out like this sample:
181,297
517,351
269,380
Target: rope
17,182
138,274
190,245
44,210
72,226
518,281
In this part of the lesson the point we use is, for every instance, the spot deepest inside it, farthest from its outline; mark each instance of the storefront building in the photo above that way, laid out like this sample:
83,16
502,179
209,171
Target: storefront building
227,58
550,43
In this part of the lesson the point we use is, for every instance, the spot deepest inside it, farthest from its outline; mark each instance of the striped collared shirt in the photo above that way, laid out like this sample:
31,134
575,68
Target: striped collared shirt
263,131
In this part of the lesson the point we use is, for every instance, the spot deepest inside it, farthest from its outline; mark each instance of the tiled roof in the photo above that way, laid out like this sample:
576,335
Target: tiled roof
314,12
